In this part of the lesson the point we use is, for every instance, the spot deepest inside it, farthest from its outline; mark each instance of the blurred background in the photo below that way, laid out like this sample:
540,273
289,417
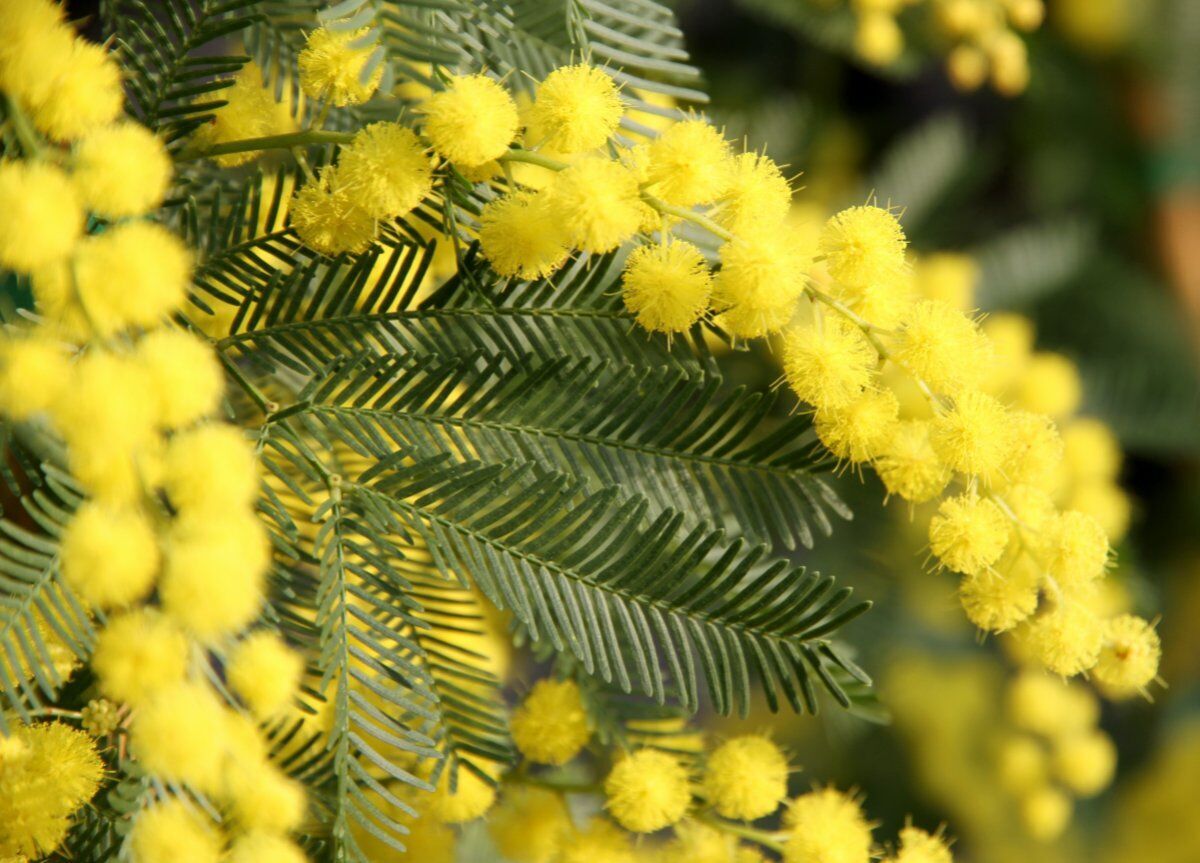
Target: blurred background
1069,196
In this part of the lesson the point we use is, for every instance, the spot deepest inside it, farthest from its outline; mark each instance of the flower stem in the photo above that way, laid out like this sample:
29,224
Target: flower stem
773,841
270,142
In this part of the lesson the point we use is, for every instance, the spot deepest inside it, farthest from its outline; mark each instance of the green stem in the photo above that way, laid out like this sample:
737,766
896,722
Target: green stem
270,142
26,136
773,841
531,158
554,783
687,216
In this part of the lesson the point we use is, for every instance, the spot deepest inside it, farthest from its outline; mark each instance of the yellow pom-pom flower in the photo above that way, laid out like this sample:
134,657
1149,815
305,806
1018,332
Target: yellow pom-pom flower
998,601
1067,639
667,286
1129,658
598,202
1107,503
826,825
878,39
761,278
261,797
1050,385
974,438
47,771
551,725
33,372
919,846
746,777
860,430
472,122
1011,339
648,790
387,169
86,94
577,108
262,847
35,48
109,555
1074,549
829,362
250,112
328,218
121,170
332,66
908,465
1046,812
265,673
210,469
530,825
757,197
40,215
968,534
947,277
600,842
1048,706
688,164
174,831
185,377
139,654
1090,450
1035,452
941,345
179,735
1022,763
864,246
521,237
1085,763
134,273
470,798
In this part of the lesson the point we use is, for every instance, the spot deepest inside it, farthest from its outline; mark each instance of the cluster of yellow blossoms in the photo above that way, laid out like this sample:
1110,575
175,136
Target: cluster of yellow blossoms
166,548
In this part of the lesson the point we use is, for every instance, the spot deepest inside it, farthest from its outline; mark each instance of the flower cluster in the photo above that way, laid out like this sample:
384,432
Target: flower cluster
166,542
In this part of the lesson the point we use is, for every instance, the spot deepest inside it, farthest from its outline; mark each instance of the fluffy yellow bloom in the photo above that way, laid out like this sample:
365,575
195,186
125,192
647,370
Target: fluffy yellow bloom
328,218
864,246
1035,452
472,121
121,170
688,164
210,469
746,777
947,277
213,580
647,790
1050,385
1129,658
577,108
943,346
1046,813
86,94
109,554
1022,763
1067,640
975,436
919,846
33,372
1074,549
387,169
1090,450
878,39
179,735
133,273
761,278
261,847
174,831
598,202
332,67
908,465
1011,339
696,842
521,236
829,362
261,797
40,215
470,798
667,286
757,197
826,826
185,377
1107,503
35,48
47,771
967,67
1085,763
1048,706
1025,15
968,534
265,673
551,725
998,601
138,654
859,431
250,112
1010,63
1033,507
99,717
530,825
600,842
